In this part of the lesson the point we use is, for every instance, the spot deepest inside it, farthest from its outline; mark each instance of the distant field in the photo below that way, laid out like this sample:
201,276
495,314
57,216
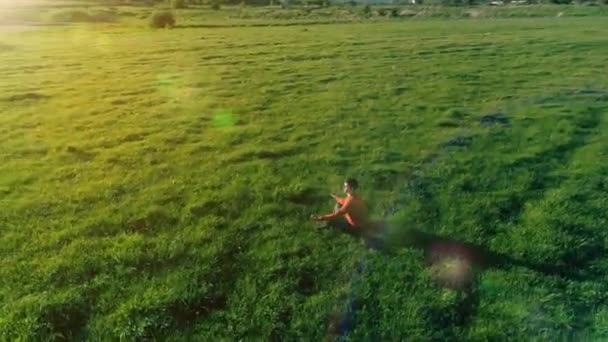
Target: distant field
158,184
52,12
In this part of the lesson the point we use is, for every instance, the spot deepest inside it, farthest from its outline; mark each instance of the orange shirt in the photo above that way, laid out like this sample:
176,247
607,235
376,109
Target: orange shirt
353,209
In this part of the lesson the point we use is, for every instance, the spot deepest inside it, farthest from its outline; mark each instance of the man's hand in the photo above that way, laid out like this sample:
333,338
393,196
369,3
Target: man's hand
316,218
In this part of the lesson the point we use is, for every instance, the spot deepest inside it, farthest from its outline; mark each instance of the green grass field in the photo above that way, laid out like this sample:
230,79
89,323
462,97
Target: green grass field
157,184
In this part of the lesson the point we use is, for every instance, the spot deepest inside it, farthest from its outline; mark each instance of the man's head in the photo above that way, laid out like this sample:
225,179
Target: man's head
350,185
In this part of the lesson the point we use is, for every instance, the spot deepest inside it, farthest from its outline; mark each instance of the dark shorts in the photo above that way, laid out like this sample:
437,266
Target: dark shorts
341,224
371,238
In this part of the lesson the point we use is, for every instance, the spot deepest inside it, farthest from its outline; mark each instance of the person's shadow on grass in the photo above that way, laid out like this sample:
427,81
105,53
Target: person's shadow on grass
440,251
437,248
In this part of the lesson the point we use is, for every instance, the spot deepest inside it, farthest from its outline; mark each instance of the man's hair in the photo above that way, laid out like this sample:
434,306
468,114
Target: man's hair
351,182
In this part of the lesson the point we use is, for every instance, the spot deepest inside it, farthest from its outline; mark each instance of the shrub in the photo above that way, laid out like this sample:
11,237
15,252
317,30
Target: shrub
314,3
367,10
162,19
457,2
78,16
178,4
104,17
71,16
388,12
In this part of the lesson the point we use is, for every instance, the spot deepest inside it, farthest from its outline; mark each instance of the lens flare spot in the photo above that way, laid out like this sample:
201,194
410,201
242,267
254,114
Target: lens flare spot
168,86
164,80
224,118
452,272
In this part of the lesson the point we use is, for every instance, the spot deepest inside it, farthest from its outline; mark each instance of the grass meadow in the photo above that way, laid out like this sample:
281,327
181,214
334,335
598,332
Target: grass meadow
157,184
